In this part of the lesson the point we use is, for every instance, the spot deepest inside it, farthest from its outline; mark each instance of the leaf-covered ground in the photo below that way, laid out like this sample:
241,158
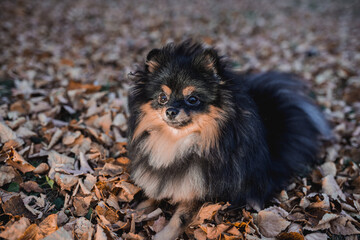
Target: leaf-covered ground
63,111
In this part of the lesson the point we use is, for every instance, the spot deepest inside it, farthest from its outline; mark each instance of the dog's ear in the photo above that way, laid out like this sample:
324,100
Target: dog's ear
210,60
151,60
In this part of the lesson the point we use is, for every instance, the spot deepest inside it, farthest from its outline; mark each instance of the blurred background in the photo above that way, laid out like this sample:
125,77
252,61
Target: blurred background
104,39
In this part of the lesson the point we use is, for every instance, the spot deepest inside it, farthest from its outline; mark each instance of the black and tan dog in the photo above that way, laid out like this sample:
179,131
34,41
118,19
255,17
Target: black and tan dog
199,132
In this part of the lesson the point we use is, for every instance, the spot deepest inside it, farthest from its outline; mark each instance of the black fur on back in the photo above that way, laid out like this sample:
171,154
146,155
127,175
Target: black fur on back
271,133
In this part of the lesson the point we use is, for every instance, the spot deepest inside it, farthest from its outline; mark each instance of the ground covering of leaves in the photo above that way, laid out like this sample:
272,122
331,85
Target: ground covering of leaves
63,111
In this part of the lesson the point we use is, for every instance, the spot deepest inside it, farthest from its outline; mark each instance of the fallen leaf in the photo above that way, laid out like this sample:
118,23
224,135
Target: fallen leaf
110,169
48,225
199,234
316,236
207,211
100,234
16,229
90,88
214,232
342,226
70,137
60,234
65,181
31,186
7,174
331,188
271,222
18,162
81,205
41,168
83,229
6,134
15,206
290,236
55,138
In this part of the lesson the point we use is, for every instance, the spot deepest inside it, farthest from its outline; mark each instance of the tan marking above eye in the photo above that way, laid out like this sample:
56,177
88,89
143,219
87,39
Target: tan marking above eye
188,90
166,90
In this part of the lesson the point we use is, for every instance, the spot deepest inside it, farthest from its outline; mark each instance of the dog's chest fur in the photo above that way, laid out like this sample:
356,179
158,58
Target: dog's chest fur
165,150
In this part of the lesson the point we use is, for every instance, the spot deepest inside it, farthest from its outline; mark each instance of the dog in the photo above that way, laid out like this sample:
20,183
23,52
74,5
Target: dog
200,132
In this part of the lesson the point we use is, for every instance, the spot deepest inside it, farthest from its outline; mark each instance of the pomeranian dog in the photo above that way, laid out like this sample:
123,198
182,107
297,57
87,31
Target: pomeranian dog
200,132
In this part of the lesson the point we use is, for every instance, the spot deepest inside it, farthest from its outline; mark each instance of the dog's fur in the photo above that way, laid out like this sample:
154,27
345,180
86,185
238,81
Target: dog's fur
241,142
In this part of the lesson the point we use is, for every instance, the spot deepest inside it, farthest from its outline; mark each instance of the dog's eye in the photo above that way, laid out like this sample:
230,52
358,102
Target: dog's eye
192,101
163,99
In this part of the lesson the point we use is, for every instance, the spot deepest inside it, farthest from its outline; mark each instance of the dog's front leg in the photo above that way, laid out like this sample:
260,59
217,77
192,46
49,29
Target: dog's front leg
183,216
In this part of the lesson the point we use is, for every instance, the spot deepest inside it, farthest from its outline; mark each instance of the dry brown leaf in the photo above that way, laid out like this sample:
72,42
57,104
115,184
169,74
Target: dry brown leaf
20,106
112,201
128,191
70,137
271,222
234,231
104,122
81,144
132,236
81,205
342,226
7,174
84,165
90,88
60,234
207,211
290,236
83,229
55,138
199,234
16,123
41,168
24,132
316,236
31,233
38,106
48,225
6,134
65,181
16,229
331,188
110,169
100,234
214,232
60,161
15,206
31,186
18,162
89,181
120,121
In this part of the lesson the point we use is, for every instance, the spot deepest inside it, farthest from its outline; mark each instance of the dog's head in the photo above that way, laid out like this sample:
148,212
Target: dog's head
181,93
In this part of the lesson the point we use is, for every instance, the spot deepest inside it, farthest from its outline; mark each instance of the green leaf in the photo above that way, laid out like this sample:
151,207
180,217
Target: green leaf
59,203
50,182
13,187
88,215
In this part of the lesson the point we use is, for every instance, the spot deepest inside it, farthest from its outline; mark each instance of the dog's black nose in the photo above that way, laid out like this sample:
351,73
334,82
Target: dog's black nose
171,113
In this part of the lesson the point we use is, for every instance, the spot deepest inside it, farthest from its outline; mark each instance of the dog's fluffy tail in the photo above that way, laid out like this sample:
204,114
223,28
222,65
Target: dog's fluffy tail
294,125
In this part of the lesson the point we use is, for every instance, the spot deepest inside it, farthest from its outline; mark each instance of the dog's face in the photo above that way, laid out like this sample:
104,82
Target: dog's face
181,102
182,86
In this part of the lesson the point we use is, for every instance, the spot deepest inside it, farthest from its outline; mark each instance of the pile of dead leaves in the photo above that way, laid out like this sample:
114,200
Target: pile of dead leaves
63,114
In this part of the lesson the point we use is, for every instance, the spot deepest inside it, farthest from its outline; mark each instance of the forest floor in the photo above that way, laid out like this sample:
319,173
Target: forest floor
63,108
